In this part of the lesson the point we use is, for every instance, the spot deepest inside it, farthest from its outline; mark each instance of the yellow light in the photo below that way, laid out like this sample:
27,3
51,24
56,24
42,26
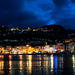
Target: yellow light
10,57
20,57
40,62
20,65
10,63
30,64
1,66
10,66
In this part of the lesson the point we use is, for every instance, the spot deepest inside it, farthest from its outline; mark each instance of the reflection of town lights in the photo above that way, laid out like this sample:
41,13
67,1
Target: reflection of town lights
55,63
10,57
20,66
52,62
73,59
40,62
20,57
10,65
1,66
30,64
30,57
46,65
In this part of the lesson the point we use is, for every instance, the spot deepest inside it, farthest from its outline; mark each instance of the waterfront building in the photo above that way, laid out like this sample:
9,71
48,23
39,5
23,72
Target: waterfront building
71,47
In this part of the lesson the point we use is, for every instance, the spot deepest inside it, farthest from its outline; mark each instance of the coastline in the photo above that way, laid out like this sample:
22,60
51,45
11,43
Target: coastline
43,54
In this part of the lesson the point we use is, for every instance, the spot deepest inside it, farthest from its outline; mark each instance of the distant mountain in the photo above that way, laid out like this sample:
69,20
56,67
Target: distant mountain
32,26
54,27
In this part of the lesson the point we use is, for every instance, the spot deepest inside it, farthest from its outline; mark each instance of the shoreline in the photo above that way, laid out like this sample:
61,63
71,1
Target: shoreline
43,54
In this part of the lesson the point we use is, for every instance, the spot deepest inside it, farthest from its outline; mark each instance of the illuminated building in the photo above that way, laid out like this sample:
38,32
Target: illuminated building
71,47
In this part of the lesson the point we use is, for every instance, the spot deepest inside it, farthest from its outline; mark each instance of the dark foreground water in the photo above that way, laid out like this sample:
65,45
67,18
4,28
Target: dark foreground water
37,65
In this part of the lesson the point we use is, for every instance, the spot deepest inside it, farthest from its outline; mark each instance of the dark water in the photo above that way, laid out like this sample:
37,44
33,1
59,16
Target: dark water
37,65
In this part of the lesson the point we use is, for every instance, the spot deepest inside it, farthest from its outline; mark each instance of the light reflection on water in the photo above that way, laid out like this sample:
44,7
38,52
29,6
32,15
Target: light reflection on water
37,65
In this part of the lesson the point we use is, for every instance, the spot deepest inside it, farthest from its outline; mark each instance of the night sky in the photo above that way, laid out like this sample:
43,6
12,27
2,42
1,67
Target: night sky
36,13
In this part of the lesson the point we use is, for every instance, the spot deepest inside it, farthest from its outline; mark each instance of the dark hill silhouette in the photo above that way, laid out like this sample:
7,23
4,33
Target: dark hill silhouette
53,27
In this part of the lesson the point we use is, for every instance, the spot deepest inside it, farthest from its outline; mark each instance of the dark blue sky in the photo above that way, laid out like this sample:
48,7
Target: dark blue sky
38,12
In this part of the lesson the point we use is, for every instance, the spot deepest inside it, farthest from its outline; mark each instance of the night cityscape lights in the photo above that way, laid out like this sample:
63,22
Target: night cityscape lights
31,50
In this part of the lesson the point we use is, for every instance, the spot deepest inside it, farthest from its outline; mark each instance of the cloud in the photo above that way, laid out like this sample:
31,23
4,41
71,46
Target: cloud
64,14
38,12
73,1
67,23
60,3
